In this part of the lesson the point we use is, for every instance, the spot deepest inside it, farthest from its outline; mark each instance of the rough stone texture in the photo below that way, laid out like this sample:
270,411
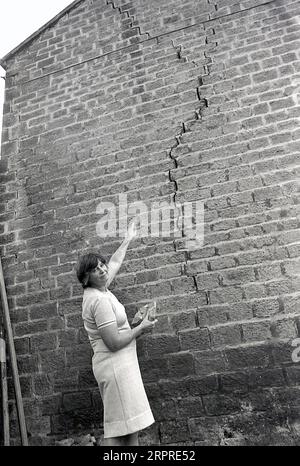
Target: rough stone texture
173,101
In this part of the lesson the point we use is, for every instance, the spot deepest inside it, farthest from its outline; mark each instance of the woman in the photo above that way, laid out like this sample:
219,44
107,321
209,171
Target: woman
115,364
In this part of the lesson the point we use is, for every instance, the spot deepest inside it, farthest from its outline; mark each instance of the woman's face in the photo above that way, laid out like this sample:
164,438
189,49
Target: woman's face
98,276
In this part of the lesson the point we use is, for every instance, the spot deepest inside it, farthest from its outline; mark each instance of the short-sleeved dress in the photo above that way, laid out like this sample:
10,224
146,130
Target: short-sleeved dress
126,406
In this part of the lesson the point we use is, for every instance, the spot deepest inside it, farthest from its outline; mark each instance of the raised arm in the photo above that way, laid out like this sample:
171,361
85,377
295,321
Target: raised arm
117,258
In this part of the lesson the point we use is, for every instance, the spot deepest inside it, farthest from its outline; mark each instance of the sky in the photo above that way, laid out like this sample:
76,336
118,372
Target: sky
18,20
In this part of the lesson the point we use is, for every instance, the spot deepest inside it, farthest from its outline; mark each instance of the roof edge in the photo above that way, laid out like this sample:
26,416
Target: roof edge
39,31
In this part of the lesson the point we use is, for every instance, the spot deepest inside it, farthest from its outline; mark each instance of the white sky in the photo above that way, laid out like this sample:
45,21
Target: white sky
18,20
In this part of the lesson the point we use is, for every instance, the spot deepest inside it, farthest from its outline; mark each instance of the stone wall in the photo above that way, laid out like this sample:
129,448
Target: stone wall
162,101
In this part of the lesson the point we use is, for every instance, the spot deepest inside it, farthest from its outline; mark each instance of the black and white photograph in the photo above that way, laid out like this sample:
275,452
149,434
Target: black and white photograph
149,226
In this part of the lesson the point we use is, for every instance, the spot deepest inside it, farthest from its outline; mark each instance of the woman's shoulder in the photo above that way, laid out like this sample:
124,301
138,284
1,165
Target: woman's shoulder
93,292
92,297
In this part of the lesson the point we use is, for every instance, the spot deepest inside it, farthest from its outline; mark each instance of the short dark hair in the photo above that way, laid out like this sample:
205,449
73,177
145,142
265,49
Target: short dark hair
85,264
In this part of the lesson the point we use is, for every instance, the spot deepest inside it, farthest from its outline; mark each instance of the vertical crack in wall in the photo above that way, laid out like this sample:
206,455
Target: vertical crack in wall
127,10
185,127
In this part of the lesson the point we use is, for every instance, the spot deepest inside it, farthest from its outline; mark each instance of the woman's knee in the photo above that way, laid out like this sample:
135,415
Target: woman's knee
131,439
113,442
124,440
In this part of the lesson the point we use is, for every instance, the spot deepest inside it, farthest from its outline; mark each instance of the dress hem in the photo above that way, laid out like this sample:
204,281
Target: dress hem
125,427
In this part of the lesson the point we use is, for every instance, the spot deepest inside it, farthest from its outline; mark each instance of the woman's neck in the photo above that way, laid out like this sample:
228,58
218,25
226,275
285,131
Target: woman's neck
100,287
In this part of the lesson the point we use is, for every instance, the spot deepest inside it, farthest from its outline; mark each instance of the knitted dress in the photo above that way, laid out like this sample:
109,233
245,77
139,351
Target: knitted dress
126,406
